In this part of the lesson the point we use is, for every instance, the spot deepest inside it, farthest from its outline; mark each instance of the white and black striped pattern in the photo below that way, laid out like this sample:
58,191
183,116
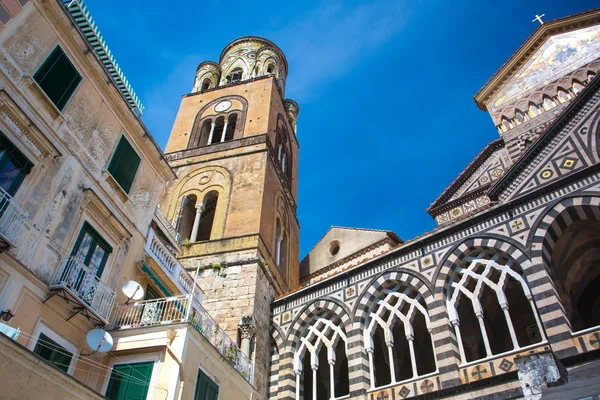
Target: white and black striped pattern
545,232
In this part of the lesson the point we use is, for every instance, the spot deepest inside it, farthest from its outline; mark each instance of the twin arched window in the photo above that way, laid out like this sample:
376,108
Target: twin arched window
196,219
212,130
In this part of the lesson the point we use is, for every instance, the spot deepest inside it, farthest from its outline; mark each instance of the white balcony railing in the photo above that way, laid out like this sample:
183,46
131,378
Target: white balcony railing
12,217
183,308
170,265
82,283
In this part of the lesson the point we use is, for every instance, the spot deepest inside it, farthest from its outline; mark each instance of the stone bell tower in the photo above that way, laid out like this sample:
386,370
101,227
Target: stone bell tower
235,151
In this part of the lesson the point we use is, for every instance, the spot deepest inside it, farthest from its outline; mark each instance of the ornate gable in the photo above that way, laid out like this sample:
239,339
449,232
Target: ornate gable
568,146
468,192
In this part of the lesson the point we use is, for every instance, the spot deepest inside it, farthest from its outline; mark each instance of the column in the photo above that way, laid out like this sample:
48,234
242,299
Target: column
180,216
390,347
537,319
461,347
278,241
511,328
212,132
315,368
224,131
413,358
246,328
332,378
283,163
486,341
371,367
298,373
199,209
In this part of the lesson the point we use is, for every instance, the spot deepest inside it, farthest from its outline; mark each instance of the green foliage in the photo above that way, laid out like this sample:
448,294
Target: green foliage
186,243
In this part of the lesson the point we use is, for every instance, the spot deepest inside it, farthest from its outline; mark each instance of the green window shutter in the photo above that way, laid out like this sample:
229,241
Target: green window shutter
124,164
206,389
57,77
51,351
129,381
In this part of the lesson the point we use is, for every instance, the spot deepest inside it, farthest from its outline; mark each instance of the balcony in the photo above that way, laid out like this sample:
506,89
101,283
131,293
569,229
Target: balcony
168,264
75,282
183,309
12,219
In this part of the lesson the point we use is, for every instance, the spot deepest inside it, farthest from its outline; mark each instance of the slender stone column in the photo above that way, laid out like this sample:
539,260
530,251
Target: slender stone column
283,163
511,328
224,131
390,347
461,347
486,341
413,358
332,378
298,373
246,328
278,241
315,369
537,319
371,367
194,236
212,132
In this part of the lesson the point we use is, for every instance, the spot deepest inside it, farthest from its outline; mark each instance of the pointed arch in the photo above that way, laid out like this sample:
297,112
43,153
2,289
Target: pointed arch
490,304
320,334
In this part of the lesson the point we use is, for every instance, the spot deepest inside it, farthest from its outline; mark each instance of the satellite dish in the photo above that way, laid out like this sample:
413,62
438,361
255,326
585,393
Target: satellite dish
99,340
133,290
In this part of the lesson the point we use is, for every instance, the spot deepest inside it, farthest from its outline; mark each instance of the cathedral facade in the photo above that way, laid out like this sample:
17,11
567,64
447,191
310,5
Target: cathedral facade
501,299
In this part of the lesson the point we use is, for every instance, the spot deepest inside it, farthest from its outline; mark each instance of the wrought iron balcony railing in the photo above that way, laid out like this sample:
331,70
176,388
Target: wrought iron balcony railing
184,308
73,280
12,217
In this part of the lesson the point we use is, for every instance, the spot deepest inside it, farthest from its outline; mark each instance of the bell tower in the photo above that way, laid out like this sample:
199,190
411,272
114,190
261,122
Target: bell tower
234,149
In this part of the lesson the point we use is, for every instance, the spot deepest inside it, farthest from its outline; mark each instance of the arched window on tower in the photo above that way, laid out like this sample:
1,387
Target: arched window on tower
231,124
205,84
207,217
491,307
270,69
320,362
235,76
217,131
397,336
187,213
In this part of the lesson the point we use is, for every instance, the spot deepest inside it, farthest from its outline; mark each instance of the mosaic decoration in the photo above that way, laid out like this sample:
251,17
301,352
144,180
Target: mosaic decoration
559,55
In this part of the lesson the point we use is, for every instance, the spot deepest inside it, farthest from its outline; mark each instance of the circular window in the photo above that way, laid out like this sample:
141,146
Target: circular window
334,248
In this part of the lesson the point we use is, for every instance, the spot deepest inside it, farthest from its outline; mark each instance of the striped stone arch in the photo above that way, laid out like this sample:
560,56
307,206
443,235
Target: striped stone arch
275,366
374,288
455,256
326,305
444,337
556,219
362,370
546,231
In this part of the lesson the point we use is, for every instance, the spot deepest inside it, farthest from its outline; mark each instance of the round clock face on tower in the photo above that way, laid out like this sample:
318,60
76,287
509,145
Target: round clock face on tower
222,106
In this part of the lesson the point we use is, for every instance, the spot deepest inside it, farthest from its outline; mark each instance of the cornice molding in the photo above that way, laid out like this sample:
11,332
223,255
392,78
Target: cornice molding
14,113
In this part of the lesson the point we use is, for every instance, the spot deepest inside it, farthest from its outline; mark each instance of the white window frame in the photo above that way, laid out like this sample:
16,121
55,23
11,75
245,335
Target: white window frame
43,328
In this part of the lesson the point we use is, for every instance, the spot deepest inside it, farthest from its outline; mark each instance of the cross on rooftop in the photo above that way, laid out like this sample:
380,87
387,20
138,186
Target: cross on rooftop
539,18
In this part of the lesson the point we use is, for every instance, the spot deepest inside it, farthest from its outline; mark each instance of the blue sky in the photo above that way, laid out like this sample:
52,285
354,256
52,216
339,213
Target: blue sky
385,88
